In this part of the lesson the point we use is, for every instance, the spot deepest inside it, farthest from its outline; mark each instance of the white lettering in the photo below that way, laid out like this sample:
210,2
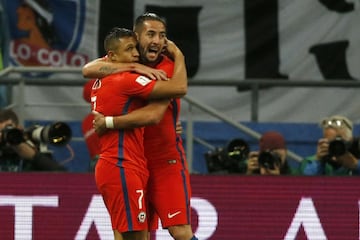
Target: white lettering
141,194
208,217
55,58
24,51
77,60
52,57
307,217
43,56
24,212
97,214
12,50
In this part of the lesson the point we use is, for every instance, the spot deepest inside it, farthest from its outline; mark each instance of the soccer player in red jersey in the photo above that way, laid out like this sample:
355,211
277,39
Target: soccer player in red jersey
121,173
169,185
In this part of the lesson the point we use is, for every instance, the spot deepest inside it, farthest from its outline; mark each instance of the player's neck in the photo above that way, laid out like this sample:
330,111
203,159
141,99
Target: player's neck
154,63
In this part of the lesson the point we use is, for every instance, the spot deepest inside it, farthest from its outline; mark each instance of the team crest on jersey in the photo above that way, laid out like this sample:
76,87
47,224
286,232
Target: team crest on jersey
141,217
142,80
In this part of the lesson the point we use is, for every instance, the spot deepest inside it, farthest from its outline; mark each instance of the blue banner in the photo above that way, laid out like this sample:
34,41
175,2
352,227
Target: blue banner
53,33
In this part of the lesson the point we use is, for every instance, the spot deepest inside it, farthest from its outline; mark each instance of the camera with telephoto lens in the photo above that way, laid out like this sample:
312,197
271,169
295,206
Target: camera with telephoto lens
57,133
269,159
229,159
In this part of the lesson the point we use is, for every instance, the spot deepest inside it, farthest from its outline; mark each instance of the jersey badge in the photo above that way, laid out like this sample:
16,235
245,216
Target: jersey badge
142,80
141,217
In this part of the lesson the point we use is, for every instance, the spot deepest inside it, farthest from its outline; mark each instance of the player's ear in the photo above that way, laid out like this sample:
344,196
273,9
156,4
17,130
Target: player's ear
111,55
137,36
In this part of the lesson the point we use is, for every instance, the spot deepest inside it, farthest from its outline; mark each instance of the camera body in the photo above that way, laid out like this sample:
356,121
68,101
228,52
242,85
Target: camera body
11,135
269,159
339,146
229,159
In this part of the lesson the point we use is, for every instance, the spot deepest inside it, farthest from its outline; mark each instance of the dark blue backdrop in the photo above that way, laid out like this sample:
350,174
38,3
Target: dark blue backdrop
301,138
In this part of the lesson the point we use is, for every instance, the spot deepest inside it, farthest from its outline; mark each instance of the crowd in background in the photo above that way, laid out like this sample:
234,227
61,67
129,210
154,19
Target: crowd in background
337,151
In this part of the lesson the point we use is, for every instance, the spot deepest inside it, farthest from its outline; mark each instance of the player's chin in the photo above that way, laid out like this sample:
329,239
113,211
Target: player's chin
152,56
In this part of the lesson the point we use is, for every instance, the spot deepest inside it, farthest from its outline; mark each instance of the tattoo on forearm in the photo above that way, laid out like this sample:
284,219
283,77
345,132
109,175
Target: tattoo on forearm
107,70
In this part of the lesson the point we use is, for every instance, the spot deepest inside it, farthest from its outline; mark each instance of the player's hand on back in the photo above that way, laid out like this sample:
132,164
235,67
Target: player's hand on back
152,73
99,123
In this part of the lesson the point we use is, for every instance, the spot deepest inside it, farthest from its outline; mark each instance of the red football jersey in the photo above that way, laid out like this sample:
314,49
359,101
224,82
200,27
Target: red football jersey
169,183
116,95
161,141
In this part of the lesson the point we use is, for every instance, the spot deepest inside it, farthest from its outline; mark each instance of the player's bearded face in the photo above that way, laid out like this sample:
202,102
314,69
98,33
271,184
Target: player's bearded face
151,41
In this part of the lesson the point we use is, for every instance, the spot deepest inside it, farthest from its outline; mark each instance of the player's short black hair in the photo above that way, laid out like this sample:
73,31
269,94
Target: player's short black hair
111,39
146,17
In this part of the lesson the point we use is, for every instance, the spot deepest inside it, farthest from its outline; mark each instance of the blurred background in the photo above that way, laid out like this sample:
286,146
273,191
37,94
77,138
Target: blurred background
253,66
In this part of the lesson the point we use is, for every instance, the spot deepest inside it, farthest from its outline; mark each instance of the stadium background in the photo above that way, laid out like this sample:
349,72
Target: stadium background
231,40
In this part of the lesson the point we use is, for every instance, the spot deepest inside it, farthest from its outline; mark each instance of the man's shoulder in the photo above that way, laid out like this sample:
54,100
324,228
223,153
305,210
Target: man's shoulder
167,65
166,60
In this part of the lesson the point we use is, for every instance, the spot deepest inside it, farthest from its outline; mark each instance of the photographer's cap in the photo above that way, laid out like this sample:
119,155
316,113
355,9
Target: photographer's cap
271,140
336,121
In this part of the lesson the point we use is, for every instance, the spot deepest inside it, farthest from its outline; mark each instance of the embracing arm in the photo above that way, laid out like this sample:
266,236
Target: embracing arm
151,114
177,86
100,68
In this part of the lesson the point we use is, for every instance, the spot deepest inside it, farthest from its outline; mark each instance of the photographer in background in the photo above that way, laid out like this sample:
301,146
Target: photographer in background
271,157
337,152
18,154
